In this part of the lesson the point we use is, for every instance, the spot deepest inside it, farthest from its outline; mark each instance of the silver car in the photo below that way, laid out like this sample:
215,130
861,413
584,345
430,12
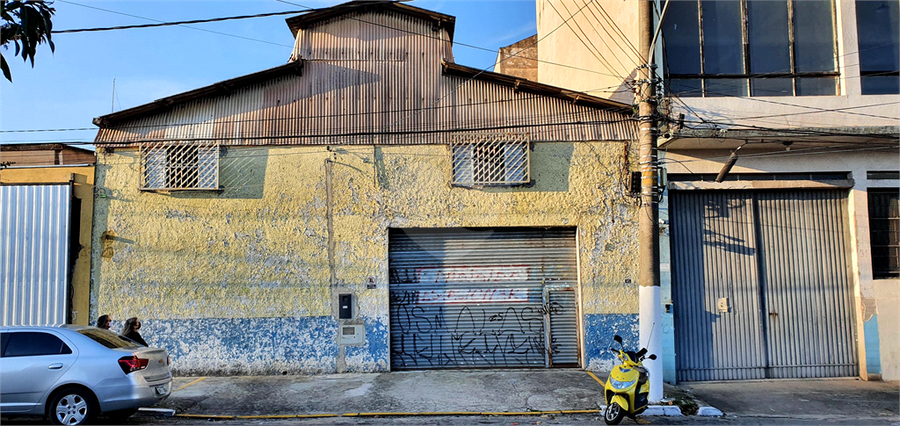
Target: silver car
73,373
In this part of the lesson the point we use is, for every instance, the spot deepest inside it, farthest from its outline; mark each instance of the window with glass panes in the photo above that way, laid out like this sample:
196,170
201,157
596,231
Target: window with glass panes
879,49
884,231
751,48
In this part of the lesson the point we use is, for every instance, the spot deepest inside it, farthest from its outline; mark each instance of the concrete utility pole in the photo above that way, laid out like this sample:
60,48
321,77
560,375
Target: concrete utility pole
648,251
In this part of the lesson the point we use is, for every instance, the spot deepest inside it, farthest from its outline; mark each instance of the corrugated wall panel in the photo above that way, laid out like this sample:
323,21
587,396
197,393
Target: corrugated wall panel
780,259
34,266
385,86
469,298
807,287
715,257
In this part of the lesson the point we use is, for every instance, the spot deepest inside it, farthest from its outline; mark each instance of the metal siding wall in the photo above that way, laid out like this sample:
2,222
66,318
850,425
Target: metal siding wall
468,298
715,256
34,237
807,287
788,247
371,79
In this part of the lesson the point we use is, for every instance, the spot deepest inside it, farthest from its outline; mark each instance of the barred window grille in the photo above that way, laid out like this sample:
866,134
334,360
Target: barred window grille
180,166
491,160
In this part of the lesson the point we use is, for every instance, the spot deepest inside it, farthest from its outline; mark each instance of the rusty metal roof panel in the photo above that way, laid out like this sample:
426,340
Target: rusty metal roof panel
386,78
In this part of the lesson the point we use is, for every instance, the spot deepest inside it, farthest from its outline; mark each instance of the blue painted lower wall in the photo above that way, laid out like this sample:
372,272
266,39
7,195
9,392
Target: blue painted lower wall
308,345
263,346
873,346
599,330
374,355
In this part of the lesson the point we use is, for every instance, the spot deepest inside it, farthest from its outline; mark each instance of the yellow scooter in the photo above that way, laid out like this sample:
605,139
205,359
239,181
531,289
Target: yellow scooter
627,386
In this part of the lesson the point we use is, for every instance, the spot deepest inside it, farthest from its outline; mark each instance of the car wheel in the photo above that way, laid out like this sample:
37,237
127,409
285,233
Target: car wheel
72,406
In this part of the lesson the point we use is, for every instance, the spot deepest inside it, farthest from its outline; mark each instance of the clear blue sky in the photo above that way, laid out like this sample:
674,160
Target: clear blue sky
70,87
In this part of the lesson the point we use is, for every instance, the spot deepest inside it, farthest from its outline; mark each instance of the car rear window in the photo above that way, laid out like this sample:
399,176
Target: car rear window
107,338
33,344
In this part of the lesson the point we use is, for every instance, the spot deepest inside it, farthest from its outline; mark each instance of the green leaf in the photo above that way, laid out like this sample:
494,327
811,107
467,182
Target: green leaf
5,67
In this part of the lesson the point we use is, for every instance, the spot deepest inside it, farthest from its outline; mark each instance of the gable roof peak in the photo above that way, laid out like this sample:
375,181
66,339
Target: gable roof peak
306,20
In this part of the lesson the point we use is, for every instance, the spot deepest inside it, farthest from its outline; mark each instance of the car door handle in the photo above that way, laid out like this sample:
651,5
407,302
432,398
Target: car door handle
56,366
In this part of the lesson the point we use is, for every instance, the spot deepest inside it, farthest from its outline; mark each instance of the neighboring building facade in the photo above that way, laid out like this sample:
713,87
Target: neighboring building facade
46,204
787,267
369,206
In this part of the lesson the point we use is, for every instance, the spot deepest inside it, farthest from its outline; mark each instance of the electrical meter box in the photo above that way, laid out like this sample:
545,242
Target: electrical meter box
352,334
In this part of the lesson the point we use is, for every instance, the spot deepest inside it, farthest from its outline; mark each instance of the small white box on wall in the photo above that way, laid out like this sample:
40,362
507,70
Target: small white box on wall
352,334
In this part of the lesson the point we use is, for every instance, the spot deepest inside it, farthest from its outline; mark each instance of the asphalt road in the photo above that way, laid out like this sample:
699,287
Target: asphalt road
565,419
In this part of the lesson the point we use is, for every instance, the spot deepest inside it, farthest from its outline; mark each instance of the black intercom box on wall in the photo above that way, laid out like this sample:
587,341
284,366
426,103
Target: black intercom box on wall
345,306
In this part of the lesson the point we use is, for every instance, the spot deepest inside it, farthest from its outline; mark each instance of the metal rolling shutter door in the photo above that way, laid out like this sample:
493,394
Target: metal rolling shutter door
473,298
780,257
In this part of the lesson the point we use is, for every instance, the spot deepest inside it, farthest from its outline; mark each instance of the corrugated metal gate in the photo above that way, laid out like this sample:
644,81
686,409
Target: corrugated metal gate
760,285
483,297
34,265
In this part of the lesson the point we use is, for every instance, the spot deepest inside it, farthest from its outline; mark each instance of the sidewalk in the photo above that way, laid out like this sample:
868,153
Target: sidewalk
432,392
514,392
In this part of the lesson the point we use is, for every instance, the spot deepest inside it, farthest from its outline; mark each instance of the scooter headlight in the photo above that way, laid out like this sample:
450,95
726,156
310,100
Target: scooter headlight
621,385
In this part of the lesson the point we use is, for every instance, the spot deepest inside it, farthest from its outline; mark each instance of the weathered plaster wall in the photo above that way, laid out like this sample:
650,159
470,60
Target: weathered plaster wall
82,179
887,294
244,273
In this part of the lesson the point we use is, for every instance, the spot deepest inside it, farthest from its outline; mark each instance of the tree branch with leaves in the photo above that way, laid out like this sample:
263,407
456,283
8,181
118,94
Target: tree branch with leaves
26,24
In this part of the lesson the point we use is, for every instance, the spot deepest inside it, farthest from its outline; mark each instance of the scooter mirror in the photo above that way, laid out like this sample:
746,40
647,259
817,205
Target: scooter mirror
618,339
652,356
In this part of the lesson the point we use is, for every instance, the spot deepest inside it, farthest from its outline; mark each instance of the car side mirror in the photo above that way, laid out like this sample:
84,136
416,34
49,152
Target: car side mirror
652,356
618,339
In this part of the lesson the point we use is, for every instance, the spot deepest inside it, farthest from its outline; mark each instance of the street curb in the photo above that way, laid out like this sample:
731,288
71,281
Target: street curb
709,412
656,410
663,410
164,412
398,414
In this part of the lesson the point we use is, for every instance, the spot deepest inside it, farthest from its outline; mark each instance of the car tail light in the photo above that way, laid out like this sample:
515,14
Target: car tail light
132,363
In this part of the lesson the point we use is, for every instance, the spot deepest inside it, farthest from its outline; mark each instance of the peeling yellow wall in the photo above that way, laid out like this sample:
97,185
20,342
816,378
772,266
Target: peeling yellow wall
259,247
82,179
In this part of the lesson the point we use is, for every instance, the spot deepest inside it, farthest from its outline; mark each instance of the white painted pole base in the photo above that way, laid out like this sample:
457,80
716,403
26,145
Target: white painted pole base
651,337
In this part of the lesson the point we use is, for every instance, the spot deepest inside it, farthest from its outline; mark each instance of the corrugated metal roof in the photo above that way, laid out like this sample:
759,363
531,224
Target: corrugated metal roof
382,79
307,20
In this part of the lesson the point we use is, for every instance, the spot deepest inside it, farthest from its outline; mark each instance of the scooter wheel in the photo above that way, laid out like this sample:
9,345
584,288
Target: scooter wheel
613,414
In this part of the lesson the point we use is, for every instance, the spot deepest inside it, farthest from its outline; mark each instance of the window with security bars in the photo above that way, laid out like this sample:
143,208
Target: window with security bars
491,160
180,166
884,231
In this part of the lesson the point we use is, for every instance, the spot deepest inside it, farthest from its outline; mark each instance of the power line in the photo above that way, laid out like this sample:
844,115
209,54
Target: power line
167,24
308,9
485,69
593,51
182,25
371,133
76,129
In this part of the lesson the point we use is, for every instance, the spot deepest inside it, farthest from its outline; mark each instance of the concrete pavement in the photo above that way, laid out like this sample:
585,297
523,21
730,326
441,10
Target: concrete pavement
406,393
512,392
801,398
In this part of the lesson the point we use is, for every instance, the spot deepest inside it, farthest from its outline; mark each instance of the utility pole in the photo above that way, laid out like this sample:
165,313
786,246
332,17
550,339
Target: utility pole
648,226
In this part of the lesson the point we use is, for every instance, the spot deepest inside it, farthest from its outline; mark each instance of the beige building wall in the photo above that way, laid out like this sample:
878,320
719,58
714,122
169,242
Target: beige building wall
255,255
581,55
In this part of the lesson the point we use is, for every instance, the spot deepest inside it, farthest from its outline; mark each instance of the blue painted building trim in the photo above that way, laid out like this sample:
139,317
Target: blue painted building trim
599,330
873,345
308,345
374,354
246,345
